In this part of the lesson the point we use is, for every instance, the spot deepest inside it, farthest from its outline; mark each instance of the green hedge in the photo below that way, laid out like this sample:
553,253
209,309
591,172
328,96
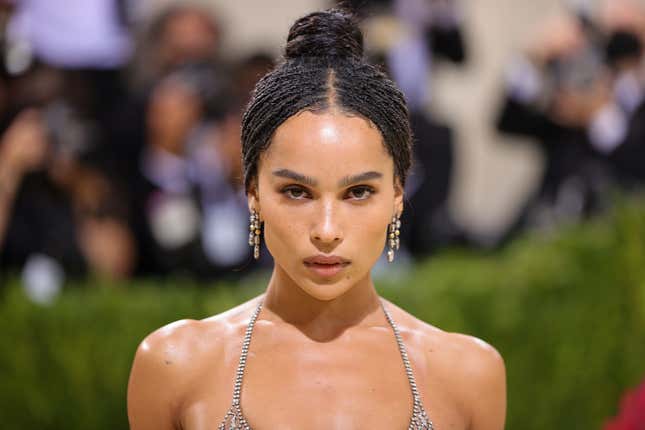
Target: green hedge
566,311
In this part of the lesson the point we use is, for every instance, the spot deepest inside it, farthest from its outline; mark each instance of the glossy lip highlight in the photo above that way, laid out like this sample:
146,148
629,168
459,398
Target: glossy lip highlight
326,265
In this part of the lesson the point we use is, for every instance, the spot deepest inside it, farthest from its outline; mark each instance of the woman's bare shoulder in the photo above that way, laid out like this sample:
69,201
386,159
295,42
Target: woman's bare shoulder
176,351
473,369
452,347
471,354
172,359
475,372
181,342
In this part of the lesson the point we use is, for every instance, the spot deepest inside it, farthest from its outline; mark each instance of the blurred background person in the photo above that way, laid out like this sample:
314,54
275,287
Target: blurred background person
625,20
573,92
163,189
60,214
224,200
408,37
57,208
176,34
191,211
179,34
150,103
87,42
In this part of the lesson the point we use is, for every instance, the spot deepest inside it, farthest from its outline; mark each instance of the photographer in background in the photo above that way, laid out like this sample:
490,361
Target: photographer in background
59,215
87,41
626,149
179,34
565,93
189,209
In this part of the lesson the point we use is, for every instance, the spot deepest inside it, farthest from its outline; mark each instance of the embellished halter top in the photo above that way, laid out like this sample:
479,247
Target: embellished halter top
235,420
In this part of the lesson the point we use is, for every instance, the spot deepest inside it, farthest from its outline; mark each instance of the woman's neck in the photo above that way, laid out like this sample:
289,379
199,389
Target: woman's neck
322,319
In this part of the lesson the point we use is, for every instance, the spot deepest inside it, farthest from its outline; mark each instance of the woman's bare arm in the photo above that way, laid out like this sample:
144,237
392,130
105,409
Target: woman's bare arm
483,384
158,378
23,148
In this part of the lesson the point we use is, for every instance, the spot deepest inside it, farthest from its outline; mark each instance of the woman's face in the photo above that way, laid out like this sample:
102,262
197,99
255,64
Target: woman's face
326,193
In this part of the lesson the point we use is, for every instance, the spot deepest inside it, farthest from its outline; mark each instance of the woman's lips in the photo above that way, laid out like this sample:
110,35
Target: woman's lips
326,266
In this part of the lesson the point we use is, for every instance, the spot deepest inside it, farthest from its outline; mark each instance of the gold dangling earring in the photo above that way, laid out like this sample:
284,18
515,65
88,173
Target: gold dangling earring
254,233
393,237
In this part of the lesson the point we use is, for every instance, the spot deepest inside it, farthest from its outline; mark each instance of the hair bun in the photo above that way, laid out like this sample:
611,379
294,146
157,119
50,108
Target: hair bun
331,33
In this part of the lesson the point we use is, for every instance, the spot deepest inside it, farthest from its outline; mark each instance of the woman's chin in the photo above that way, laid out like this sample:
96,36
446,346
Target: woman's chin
320,286
326,289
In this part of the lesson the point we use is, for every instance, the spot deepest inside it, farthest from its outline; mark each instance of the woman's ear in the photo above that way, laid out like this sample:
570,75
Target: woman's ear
252,197
398,197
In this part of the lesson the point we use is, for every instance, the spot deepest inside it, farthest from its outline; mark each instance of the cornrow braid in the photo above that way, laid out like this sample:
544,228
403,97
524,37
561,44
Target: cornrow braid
324,68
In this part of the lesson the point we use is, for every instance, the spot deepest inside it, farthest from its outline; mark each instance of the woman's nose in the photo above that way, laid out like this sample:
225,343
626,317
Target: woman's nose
327,229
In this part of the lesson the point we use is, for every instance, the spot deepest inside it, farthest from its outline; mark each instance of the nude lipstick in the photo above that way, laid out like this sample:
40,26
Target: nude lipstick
326,266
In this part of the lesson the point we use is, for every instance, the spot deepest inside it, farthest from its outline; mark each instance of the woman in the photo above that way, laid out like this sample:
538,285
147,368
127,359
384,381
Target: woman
326,148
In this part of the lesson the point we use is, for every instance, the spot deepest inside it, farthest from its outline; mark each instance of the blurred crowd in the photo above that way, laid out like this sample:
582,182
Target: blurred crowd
578,92
120,152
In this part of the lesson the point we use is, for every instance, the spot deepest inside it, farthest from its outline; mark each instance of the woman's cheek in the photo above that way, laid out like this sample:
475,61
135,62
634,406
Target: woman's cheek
282,234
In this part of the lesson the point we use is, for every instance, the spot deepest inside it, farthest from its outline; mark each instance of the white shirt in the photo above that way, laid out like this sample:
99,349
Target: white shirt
72,33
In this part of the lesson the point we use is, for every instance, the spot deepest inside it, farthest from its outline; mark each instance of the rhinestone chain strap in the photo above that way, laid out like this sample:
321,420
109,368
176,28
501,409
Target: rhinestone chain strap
234,419
420,419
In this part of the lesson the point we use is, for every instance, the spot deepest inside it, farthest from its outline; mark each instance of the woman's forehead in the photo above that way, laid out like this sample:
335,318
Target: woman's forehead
331,143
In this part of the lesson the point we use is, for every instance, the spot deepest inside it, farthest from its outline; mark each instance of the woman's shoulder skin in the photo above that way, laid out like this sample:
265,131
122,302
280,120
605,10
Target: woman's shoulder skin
461,367
172,360
456,373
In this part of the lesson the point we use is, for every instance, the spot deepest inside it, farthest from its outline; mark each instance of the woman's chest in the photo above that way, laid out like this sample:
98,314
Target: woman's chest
305,412
331,388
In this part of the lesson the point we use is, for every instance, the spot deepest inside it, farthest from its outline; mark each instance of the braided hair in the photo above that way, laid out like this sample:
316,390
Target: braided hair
324,68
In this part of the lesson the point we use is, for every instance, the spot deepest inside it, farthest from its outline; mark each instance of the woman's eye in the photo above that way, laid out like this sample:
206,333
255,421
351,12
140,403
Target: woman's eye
360,193
295,193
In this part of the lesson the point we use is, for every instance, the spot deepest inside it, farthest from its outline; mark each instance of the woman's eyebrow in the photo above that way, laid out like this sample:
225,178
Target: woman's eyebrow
366,176
299,177
347,180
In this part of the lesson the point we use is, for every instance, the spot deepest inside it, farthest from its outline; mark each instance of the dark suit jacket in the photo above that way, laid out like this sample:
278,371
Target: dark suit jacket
628,160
